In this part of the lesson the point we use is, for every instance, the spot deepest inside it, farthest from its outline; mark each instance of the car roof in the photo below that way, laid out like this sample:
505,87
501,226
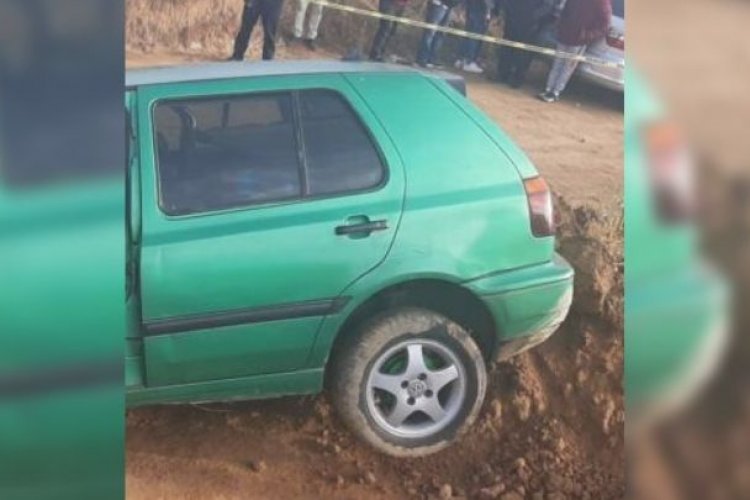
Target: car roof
242,69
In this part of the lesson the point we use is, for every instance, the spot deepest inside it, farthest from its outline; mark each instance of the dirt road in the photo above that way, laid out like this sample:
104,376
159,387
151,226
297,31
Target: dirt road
552,424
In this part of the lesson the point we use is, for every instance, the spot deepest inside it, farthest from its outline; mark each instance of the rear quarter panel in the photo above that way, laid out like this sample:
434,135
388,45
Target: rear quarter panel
465,213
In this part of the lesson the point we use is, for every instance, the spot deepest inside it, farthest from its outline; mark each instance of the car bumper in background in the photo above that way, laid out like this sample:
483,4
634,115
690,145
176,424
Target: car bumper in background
527,304
611,78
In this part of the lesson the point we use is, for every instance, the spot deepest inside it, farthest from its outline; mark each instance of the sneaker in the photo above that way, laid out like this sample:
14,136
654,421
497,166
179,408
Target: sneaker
459,64
233,58
548,96
473,67
310,44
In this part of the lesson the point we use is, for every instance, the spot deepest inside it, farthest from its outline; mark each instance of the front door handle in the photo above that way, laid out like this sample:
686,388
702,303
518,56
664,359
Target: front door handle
362,228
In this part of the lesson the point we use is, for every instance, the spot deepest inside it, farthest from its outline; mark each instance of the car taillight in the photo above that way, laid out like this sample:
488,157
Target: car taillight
671,172
616,39
541,211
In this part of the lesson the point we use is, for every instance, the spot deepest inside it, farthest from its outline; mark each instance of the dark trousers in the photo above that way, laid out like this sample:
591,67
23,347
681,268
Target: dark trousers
269,12
386,29
514,63
432,40
476,22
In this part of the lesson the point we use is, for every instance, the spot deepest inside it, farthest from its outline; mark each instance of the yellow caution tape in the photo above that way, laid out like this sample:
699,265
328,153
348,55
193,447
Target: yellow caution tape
466,34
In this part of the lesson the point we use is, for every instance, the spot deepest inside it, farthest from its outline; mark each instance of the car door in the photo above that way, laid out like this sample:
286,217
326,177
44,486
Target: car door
262,200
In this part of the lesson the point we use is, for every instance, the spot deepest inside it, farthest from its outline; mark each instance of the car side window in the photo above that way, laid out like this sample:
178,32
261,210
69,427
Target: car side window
229,152
340,155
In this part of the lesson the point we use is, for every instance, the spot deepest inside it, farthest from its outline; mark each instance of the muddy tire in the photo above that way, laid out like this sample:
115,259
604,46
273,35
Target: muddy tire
409,382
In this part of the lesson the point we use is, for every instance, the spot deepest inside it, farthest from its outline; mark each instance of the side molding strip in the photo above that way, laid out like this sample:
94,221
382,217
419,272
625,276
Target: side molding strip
234,317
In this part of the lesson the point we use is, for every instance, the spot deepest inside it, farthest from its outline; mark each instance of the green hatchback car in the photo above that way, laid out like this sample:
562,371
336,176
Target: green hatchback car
361,227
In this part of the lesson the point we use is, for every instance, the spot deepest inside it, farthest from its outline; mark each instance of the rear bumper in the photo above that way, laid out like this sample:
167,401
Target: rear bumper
527,305
676,332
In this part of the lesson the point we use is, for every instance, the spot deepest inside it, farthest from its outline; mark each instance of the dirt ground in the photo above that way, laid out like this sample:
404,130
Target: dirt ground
552,423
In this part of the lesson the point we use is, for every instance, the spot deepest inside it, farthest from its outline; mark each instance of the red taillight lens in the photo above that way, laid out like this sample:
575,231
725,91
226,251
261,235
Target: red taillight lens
616,39
541,211
671,171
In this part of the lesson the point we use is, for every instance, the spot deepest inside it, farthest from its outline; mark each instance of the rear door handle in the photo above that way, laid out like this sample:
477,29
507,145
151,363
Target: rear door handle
362,228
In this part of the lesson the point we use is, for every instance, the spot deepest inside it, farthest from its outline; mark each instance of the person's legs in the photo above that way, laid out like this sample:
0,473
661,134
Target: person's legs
476,22
522,62
381,36
316,15
467,48
480,29
437,42
250,15
270,17
562,69
506,65
299,18
433,15
521,59
398,11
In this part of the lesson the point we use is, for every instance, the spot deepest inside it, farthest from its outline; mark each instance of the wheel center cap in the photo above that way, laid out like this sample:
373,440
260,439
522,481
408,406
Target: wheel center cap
416,388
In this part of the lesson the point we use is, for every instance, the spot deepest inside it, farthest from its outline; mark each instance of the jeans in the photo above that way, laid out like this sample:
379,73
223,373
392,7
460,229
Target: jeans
316,15
476,22
562,69
386,29
268,11
436,13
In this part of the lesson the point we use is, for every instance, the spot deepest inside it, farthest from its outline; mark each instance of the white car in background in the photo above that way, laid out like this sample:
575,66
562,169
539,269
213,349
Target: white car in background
610,48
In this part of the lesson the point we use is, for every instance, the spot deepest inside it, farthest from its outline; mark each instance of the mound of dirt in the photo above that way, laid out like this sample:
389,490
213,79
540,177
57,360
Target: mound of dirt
592,241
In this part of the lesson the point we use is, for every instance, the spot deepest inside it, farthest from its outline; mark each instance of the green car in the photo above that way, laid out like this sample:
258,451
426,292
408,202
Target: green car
360,227
676,305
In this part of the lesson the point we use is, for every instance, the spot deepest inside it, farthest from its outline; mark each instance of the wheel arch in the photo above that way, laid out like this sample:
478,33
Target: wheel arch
448,298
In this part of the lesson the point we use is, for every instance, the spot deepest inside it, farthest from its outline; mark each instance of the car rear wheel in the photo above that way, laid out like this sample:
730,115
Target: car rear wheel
409,382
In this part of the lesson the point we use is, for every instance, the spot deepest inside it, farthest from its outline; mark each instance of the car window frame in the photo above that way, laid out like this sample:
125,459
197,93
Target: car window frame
294,94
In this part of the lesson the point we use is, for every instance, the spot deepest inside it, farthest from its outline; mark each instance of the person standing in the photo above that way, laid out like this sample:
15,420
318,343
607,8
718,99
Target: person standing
524,19
436,12
582,22
316,15
386,29
269,12
477,21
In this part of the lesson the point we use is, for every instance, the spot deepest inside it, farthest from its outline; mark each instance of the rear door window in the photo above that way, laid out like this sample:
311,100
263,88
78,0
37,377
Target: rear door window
236,151
229,152
340,154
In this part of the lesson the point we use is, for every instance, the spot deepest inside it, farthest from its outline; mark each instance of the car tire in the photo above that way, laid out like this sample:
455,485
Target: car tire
409,381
